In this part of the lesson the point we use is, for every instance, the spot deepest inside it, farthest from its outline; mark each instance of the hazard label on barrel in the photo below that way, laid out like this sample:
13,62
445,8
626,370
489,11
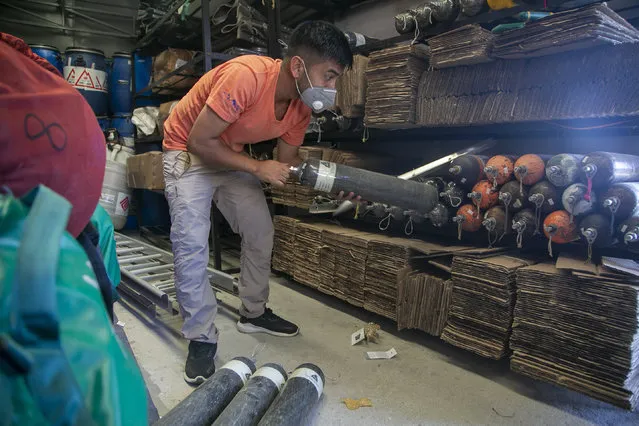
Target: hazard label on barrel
86,78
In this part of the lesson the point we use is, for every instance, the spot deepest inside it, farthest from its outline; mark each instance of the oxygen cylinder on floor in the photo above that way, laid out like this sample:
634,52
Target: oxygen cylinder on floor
484,195
467,219
208,401
294,404
530,168
496,223
564,169
329,177
468,169
574,201
453,195
524,226
559,229
596,232
252,401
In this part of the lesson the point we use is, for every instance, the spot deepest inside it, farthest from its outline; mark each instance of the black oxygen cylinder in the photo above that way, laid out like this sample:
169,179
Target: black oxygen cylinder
512,196
438,183
250,403
622,200
453,195
329,177
564,169
473,7
544,196
441,215
524,225
605,168
301,393
356,39
468,169
596,232
629,230
496,223
444,10
424,17
405,22
208,401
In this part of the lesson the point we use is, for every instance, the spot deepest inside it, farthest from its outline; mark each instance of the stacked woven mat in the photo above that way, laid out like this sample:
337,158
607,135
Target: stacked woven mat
423,301
580,331
393,78
467,45
284,244
481,311
566,31
581,84
351,89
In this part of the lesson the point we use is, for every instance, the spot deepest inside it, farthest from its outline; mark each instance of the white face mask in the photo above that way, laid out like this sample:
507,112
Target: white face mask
318,99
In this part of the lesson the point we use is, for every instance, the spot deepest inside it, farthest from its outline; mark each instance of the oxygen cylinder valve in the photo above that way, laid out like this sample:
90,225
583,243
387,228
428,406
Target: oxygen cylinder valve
631,236
455,170
591,235
519,227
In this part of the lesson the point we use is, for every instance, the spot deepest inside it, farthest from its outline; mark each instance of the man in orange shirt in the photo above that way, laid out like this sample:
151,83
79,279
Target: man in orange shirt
247,100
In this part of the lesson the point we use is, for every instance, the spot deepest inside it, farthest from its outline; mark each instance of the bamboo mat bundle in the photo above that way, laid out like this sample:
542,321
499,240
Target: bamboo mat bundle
481,311
308,247
582,28
284,244
573,85
386,259
351,89
467,45
578,330
350,248
393,78
423,301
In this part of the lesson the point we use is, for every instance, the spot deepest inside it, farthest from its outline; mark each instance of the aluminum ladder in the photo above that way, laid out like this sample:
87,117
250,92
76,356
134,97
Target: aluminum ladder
147,274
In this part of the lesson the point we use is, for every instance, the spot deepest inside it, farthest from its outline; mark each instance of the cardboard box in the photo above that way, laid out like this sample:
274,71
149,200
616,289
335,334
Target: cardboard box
145,171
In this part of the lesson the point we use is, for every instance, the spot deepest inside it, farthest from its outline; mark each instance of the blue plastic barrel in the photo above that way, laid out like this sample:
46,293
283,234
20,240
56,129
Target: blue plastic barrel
143,73
123,124
104,122
49,53
121,97
85,69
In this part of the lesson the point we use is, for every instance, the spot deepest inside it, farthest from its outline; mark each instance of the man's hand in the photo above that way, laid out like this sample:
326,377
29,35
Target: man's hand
350,197
273,172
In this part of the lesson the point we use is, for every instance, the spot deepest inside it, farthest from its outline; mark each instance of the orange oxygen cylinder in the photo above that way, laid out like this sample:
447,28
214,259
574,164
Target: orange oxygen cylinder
467,219
530,169
499,169
559,229
484,195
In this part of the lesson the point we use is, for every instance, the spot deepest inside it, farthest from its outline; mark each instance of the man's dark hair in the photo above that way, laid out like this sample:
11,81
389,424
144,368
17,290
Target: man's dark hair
323,39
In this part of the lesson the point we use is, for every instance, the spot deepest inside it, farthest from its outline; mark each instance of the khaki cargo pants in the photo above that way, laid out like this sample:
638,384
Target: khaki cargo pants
190,187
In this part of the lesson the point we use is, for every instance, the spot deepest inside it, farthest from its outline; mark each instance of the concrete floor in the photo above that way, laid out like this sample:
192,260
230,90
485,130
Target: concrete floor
429,382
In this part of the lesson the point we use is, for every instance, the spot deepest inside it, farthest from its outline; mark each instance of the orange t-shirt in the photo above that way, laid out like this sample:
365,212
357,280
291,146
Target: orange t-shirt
242,92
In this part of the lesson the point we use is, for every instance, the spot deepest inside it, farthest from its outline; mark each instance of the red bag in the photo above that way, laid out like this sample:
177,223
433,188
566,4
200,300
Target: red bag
48,133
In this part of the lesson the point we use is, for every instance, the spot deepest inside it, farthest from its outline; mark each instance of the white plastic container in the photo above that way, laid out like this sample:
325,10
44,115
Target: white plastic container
119,153
116,195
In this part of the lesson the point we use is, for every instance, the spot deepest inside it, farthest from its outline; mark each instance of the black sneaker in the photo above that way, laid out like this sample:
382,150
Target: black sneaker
200,362
268,323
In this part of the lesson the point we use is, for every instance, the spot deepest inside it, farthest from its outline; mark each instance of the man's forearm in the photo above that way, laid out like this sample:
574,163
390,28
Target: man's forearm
214,153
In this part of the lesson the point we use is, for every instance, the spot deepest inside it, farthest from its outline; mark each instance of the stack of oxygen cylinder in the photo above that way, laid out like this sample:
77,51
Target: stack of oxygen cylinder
566,198
239,394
